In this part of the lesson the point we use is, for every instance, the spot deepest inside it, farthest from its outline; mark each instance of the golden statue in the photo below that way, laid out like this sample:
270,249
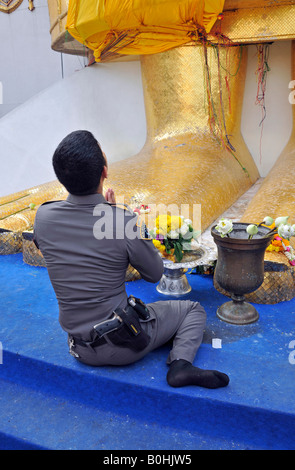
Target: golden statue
193,58
191,154
194,151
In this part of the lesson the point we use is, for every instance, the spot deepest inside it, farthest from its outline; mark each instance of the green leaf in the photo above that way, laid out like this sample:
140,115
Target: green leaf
196,234
178,252
167,246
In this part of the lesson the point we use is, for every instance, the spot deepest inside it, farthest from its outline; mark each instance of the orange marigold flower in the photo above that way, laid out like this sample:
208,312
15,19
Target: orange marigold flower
277,243
286,242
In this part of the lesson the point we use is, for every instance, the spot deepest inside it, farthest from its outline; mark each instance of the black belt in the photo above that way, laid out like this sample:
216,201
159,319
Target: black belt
129,318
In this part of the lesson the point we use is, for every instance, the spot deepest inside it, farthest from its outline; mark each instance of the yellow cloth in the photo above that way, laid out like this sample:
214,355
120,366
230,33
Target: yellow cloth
111,27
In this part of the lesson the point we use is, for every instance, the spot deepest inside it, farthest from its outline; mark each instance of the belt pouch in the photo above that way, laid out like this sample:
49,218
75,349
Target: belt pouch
130,333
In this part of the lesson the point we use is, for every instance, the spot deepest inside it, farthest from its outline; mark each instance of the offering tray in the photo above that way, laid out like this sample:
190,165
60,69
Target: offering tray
174,281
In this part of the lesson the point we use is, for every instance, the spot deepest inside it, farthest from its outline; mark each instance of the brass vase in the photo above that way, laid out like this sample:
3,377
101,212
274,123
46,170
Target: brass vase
240,270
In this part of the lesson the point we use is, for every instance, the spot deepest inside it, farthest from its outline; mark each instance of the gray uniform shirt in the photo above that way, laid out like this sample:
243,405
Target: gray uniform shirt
87,245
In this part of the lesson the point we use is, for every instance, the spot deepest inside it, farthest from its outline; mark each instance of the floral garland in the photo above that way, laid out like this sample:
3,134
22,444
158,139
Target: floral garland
143,209
282,245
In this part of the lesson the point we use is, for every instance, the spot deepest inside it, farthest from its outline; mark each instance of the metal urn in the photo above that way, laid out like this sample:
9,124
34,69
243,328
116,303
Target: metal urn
174,281
240,270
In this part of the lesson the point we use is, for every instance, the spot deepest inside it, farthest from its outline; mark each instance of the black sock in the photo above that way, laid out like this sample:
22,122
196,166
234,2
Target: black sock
182,373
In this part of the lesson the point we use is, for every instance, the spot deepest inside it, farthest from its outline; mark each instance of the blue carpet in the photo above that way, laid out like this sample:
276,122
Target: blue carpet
41,379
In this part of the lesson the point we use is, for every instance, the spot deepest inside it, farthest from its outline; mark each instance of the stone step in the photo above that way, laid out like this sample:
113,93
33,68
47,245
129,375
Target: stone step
255,411
140,392
32,419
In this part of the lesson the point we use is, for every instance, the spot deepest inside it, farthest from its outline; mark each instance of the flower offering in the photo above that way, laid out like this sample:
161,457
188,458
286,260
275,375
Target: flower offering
281,241
281,229
224,227
173,235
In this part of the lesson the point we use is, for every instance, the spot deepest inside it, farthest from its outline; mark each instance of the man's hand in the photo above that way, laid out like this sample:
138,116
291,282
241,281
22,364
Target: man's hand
110,196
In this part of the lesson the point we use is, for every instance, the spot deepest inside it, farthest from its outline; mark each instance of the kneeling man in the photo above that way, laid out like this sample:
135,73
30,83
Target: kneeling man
88,243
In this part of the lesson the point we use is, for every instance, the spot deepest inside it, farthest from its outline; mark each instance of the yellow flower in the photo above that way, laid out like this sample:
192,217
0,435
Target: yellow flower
176,222
157,243
169,257
163,224
159,246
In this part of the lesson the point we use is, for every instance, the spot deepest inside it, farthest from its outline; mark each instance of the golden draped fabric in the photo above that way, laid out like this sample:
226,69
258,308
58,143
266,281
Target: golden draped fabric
139,27
242,21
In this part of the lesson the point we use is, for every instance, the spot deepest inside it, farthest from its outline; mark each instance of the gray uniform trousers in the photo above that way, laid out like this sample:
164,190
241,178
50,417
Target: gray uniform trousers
182,319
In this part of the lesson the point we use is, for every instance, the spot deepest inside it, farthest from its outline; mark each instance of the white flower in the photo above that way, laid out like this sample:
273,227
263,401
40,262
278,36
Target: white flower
268,221
285,231
173,234
293,230
183,229
252,229
224,227
281,220
188,221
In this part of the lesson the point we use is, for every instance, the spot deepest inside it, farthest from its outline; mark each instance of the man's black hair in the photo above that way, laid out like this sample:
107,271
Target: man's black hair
78,163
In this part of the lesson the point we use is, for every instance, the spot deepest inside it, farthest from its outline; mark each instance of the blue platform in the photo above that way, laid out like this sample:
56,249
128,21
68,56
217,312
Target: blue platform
50,401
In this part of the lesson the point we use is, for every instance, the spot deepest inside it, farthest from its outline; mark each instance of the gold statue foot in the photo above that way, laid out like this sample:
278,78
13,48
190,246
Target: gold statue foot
182,162
276,196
